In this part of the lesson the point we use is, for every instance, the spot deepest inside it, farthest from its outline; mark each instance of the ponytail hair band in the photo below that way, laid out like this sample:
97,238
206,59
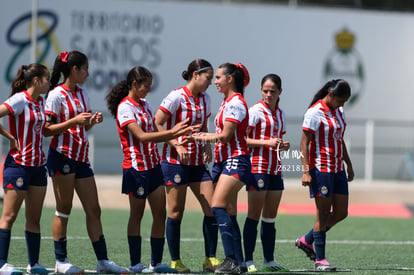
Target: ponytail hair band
64,57
246,79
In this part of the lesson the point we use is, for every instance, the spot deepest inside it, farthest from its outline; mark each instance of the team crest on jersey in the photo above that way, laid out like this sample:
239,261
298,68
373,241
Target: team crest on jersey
140,191
78,107
177,178
338,134
260,183
19,182
324,190
38,127
66,168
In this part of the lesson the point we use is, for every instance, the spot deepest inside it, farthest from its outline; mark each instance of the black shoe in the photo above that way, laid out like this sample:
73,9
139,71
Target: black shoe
243,268
229,266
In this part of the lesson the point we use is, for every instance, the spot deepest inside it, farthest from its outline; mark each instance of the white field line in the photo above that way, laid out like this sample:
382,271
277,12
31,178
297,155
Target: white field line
367,242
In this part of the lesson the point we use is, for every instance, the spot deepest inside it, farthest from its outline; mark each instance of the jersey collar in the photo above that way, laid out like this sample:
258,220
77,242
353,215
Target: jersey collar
188,93
66,88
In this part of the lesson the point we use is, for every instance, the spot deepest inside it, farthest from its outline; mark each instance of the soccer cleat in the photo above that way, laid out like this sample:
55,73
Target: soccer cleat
138,268
109,267
8,269
229,266
243,268
67,268
159,268
273,267
251,268
307,248
248,267
37,269
179,266
323,265
210,264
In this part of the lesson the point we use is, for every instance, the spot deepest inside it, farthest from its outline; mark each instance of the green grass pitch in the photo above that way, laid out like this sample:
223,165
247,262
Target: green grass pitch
357,245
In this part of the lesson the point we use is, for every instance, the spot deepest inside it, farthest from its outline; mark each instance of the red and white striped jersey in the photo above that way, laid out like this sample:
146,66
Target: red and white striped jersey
328,127
266,124
26,124
64,104
180,104
232,109
141,156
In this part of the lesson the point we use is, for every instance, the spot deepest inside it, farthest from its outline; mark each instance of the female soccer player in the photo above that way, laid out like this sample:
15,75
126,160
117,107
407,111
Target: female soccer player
142,174
232,166
68,119
266,130
24,174
185,165
324,152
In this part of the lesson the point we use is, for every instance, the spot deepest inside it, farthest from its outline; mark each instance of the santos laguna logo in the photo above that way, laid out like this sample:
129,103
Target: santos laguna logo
18,36
345,62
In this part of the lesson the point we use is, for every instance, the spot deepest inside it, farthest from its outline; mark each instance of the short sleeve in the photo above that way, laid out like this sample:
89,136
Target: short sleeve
311,121
53,103
234,111
125,115
253,117
15,103
171,103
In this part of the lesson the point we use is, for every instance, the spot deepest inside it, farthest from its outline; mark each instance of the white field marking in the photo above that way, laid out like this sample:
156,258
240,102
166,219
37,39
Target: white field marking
51,238
330,241
368,242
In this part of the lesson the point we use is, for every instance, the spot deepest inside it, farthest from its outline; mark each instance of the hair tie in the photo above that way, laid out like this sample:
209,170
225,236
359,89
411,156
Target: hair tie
246,79
64,57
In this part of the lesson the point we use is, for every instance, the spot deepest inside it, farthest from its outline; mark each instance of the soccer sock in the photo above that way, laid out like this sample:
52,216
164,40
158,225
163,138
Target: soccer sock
100,249
173,230
134,243
226,229
33,246
157,249
249,238
268,237
320,240
210,231
237,242
61,252
309,236
5,236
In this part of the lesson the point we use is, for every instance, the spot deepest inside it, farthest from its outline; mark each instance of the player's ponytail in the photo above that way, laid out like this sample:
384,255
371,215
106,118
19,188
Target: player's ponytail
63,65
239,73
338,87
25,76
121,90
